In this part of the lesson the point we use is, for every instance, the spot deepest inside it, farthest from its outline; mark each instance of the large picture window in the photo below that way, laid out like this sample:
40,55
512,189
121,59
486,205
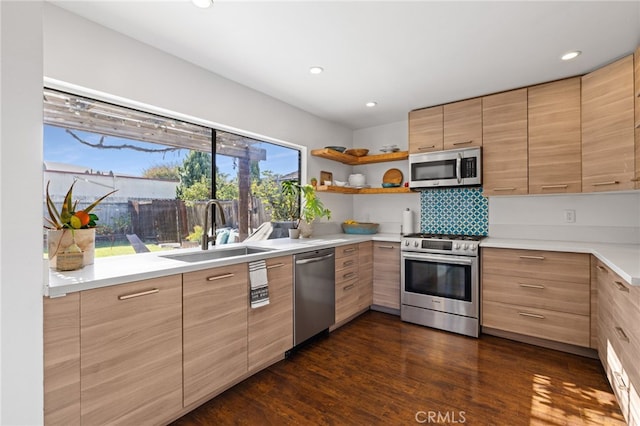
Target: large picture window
165,170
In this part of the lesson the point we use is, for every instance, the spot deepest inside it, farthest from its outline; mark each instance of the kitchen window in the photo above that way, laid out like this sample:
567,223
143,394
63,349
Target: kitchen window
164,169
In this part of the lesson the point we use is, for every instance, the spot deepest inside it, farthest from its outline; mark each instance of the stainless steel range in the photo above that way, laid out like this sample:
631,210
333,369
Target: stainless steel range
440,282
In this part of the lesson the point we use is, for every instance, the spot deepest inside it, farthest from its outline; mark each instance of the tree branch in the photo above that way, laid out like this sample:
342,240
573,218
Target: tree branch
101,145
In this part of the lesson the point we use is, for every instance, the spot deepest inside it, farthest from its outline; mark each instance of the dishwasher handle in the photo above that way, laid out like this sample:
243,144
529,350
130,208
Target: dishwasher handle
314,259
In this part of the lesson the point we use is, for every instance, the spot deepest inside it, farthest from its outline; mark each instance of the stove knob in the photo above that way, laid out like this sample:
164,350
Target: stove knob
473,248
416,244
406,243
456,246
466,246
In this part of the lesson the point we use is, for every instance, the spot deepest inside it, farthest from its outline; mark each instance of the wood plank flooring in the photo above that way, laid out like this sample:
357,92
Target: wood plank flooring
378,370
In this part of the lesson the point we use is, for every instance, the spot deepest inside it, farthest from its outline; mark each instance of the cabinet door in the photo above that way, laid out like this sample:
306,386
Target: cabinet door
271,326
347,282
131,352
365,273
61,330
215,305
426,130
636,75
386,274
608,142
504,142
555,162
463,124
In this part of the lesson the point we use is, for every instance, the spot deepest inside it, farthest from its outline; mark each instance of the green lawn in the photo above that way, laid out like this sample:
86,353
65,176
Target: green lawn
121,249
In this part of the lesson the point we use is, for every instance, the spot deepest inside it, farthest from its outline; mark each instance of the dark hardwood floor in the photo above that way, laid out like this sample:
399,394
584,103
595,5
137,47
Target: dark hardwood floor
379,370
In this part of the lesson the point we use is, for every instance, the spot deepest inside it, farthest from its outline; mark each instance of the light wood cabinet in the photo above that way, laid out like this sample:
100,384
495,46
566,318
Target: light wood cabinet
608,141
504,142
463,124
537,293
386,274
426,130
61,320
555,162
636,76
347,282
365,273
131,352
619,337
215,303
270,327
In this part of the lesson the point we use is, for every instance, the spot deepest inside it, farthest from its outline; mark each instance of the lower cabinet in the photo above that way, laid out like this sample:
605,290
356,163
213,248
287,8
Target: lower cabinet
347,286
271,326
131,352
215,303
619,338
386,274
534,293
365,274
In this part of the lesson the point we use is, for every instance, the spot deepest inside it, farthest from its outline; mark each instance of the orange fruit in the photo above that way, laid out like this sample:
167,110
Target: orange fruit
83,216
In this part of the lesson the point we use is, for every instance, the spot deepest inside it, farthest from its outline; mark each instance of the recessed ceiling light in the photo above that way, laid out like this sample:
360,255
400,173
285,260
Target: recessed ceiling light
202,3
571,55
371,104
316,70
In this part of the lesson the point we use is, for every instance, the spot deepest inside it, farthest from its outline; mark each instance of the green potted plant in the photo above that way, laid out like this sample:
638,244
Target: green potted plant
312,207
71,232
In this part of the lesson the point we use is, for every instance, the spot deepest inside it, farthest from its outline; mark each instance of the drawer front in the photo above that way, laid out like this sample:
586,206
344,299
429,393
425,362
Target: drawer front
346,263
545,265
347,274
542,323
561,296
346,251
346,299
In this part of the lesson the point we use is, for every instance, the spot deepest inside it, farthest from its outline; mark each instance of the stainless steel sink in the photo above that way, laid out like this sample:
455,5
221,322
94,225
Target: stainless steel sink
212,254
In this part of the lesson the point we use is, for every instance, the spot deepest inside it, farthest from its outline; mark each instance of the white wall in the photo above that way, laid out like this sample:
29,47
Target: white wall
608,217
385,209
21,213
82,53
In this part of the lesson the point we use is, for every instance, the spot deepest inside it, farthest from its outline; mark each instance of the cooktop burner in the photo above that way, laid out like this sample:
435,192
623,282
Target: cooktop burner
446,237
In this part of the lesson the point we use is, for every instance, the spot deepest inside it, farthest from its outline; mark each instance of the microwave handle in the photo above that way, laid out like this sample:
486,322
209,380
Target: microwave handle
459,168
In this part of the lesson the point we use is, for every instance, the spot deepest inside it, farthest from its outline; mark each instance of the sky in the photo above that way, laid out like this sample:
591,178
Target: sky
60,147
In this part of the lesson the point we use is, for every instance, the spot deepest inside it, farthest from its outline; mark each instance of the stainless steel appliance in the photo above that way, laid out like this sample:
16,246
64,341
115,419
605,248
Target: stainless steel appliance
456,167
440,282
314,293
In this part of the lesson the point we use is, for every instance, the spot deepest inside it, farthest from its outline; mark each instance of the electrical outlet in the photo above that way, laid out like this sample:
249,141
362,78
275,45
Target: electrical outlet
570,216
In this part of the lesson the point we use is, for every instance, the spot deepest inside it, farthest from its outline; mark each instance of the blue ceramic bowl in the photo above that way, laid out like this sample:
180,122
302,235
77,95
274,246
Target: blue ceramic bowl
337,148
360,228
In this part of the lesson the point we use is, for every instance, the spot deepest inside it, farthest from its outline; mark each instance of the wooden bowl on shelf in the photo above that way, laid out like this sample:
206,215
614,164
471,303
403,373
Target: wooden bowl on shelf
357,152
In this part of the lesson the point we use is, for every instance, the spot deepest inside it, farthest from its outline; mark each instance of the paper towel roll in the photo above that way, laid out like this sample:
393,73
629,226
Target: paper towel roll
407,222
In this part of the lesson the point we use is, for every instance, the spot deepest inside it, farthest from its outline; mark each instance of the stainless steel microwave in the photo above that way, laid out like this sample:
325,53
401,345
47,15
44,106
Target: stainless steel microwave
455,167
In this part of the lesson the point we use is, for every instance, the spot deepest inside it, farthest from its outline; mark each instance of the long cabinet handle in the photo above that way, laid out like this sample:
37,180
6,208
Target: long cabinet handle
349,250
349,275
558,186
386,247
138,294
541,287
348,287
220,277
424,147
530,315
620,381
610,182
532,257
637,125
505,189
275,265
348,263
621,286
602,269
621,334
463,142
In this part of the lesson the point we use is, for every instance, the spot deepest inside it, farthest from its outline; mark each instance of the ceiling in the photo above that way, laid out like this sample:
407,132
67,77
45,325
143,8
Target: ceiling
402,55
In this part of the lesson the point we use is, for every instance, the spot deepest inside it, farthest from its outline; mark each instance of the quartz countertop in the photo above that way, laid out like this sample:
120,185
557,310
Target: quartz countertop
623,259
115,270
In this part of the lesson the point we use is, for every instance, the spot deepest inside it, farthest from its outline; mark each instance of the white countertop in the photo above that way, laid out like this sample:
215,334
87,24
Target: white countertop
123,269
624,259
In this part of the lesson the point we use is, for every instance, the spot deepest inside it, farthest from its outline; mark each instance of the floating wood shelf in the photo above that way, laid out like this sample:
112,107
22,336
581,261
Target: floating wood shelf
347,190
351,160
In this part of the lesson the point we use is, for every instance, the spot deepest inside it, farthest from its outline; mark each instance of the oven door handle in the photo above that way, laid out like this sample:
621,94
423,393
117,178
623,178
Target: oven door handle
452,259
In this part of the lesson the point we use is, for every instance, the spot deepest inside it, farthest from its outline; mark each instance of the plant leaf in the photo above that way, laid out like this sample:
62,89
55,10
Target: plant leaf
53,212
95,203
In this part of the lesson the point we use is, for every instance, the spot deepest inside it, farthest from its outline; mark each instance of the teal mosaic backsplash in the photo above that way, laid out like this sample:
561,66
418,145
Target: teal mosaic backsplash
454,211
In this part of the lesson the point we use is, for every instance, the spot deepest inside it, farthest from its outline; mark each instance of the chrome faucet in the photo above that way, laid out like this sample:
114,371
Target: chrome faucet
207,213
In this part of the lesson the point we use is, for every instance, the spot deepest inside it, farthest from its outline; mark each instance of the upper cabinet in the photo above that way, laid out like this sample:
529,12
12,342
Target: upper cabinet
425,130
463,124
504,136
555,164
636,74
608,141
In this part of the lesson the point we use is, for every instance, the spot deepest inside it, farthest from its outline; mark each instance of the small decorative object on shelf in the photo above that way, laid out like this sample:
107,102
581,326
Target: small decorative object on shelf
357,152
71,233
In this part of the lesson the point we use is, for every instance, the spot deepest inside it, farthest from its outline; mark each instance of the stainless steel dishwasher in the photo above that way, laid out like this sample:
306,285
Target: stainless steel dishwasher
314,287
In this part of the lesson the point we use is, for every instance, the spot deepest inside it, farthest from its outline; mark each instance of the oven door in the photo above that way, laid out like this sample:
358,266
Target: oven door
445,283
